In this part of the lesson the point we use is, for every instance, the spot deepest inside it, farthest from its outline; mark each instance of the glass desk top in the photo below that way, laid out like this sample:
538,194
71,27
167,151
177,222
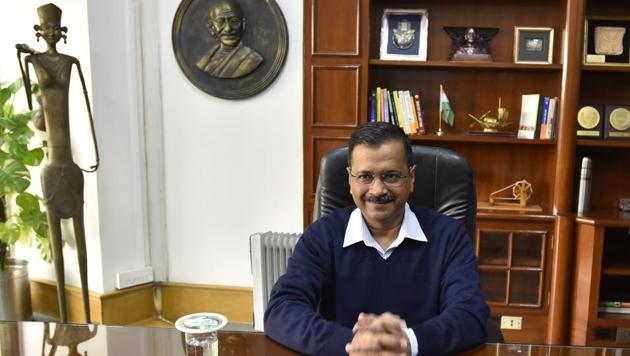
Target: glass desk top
41,338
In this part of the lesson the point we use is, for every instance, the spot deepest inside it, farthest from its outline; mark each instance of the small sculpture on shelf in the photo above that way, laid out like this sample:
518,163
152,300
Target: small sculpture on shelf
521,191
492,124
470,43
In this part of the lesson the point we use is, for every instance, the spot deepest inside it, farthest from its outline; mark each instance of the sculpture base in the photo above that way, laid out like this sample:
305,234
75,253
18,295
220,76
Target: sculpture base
471,57
505,206
490,133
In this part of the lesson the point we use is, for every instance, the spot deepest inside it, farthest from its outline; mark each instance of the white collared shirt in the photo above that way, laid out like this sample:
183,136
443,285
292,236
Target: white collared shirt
357,231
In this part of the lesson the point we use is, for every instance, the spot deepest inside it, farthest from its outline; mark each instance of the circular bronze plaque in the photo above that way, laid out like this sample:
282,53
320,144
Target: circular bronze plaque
230,49
620,119
588,117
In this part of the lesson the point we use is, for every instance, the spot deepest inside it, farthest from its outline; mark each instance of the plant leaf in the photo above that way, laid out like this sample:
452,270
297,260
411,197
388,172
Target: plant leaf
9,232
5,94
43,245
16,85
14,176
33,157
27,201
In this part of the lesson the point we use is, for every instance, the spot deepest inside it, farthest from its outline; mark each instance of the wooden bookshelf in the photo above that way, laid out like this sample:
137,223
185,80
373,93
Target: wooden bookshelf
602,273
342,65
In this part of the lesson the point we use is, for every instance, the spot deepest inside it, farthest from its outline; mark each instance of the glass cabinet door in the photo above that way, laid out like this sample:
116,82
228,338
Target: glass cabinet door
511,266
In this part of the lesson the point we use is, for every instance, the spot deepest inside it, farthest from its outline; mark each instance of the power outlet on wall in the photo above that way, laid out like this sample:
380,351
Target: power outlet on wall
134,277
512,322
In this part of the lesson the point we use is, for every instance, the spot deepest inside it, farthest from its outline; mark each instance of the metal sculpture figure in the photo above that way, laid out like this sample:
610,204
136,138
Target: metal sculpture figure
62,180
69,336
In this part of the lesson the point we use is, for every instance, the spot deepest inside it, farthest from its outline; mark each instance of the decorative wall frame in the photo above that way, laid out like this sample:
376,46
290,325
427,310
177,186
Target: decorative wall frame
607,40
533,45
404,34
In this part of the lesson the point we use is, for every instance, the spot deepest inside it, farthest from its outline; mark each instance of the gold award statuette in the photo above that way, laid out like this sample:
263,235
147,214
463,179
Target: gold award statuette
589,122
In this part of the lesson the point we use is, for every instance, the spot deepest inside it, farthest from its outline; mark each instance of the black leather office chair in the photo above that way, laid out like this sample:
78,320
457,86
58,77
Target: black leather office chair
444,182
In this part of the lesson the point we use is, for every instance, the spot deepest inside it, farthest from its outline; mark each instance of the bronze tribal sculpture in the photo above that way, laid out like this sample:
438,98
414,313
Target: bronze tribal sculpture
62,180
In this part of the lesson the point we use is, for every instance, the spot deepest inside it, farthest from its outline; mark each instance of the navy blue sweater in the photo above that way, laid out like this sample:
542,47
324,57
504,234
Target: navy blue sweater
434,286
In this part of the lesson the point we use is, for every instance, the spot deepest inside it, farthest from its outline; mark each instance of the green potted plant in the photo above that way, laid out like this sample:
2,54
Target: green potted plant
21,217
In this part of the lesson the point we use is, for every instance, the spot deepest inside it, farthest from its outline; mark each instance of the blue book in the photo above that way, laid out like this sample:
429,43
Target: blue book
541,129
372,106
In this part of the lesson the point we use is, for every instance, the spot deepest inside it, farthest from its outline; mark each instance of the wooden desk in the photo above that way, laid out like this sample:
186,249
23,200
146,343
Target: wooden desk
28,338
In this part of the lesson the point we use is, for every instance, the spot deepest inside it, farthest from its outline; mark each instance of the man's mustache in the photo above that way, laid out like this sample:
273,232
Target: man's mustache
385,198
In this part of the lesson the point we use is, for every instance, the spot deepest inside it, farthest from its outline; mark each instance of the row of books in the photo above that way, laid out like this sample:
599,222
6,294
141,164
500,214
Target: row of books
614,307
538,117
398,107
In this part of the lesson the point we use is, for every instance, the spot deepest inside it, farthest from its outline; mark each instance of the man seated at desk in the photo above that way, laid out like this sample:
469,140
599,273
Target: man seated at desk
382,276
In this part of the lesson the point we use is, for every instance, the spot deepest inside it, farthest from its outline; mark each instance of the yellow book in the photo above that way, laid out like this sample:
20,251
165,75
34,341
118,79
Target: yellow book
378,105
399,111
413,126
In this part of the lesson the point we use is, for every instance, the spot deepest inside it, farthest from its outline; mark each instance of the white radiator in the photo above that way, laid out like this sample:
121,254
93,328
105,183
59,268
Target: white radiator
269,254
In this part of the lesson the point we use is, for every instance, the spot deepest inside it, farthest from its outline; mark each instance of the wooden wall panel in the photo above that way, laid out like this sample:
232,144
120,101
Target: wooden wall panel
335,95
336,34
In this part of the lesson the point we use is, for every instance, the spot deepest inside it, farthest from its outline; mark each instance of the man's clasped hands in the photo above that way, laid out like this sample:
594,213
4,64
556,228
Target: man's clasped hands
381,335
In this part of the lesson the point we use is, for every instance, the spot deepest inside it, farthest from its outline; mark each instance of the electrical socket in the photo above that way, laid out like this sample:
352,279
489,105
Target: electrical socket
512,322
134,277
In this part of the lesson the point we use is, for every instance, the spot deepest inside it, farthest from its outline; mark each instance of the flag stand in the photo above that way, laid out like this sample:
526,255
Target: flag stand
440,132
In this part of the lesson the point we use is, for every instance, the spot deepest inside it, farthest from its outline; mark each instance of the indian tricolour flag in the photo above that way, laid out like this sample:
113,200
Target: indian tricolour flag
445,108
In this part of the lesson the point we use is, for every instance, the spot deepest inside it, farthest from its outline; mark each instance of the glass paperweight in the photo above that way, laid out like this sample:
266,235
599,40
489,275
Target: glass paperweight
200,331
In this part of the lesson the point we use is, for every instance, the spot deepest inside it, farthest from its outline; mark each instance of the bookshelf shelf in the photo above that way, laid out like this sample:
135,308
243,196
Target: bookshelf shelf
479,138
604,143
544,216
606,218
465,65
616,270
606,68
612,319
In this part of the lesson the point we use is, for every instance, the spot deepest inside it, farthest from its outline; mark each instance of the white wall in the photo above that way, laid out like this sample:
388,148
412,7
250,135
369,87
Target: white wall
233,168
185,177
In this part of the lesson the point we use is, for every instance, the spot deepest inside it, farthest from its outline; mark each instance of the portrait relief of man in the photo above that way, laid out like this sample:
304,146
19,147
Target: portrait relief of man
229,57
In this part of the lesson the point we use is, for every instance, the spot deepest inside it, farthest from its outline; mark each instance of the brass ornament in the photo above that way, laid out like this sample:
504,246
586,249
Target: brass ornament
588,117
489,123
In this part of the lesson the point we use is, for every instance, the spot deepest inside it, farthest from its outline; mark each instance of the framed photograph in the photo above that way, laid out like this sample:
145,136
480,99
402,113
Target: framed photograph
533,45
404,34
606,41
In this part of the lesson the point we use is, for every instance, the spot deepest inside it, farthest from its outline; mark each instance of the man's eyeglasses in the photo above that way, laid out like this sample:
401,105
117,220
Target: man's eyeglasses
388,178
